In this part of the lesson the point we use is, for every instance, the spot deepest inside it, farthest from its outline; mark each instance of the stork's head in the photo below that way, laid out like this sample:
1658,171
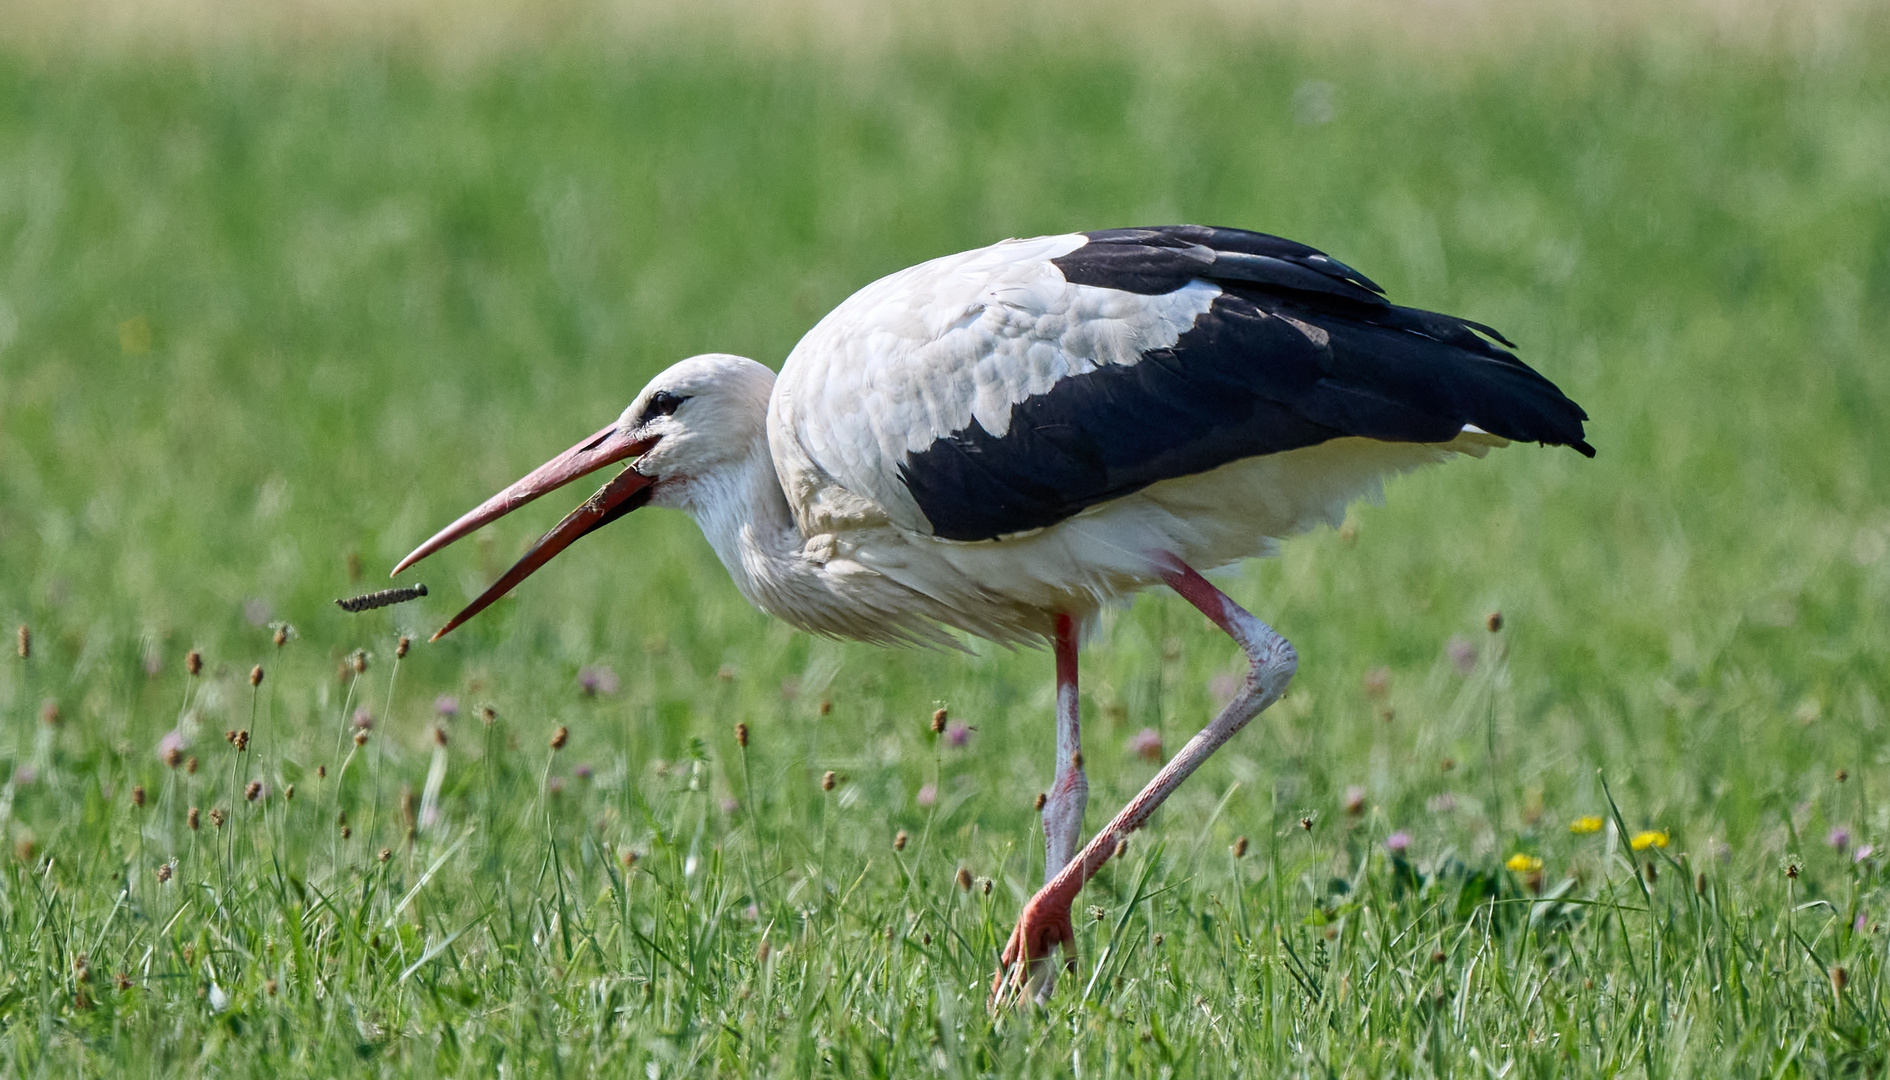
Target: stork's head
699,417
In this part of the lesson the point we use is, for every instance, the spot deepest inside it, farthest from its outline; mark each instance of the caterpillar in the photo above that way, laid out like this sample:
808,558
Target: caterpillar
381,599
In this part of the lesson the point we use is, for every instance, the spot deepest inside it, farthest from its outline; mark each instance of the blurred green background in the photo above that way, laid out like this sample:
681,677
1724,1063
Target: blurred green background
277,301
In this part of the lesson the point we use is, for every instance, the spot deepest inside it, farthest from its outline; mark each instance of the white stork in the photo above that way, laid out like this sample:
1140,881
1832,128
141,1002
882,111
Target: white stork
1001,441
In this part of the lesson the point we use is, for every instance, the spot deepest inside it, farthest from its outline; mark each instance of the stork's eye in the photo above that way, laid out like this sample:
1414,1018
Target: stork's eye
663,403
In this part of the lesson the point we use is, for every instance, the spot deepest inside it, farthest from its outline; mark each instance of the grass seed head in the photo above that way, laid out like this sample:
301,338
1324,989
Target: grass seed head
401,647
173,756
255,676
741,736
191,820
190,765
218,816
1699,883
26,642
1122,847
1493,622
252,790
321,772
560,737
1438,957
289,793
489,715
1843,775
439,735
826,706
964,880
193,662
270,988
1037,803
984,885
628,857
1840,978
358,661
939,717
360,738
163,873
121,981
827,780
385,854
241,742
899,840
346,832
281,636
1306,823
1240,847
137,796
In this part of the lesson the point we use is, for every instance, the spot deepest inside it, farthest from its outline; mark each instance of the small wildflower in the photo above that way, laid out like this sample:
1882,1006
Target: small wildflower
137,795
597,680
1240,847
1521,863
363,719
1377,682
899,840
827,780
190,819
957,734
741,736
1584,825
1463,655
446,706
928,794
1493,622
255,676
1039,801
193,662
163,873
252,790
964,880
938,721
49,712
1355,800
401,647
585,772
1442,803
560,737
1651,838
1864,852
1147,745
1398,843
1839,839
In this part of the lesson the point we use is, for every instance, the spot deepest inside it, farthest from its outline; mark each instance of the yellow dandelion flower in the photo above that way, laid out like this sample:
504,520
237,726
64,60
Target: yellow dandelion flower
1650,838
1587,823
1523,864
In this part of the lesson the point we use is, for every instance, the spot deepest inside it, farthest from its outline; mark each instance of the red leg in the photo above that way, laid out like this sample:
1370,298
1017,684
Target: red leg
1045,921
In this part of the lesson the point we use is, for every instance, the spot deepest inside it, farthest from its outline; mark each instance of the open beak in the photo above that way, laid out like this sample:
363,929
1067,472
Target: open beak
627,491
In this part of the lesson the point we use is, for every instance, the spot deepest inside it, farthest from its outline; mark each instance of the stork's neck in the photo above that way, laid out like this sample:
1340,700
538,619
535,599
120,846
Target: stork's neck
745,516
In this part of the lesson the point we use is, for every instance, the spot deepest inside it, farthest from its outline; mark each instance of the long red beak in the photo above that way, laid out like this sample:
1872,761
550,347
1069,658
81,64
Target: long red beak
627,491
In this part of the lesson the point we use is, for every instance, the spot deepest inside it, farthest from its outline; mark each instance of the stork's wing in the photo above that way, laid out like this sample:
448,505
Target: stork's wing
1008,388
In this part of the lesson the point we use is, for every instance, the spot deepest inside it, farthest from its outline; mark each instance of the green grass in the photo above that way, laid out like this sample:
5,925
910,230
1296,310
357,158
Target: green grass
266,315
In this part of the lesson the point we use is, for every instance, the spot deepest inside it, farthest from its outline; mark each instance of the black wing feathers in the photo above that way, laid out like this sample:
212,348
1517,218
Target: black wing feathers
1299,349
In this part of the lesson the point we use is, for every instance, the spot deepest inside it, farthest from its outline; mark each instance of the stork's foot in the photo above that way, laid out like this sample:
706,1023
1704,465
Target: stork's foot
1043,926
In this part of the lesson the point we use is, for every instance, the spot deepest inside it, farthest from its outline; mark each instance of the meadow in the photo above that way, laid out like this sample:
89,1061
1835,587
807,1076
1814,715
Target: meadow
274,309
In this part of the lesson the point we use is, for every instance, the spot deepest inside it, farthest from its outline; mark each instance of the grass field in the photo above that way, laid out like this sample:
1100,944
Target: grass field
270,314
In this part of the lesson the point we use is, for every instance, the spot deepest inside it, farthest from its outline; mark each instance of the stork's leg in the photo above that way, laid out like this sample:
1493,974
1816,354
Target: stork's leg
1069,794
1045,922
1064,803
